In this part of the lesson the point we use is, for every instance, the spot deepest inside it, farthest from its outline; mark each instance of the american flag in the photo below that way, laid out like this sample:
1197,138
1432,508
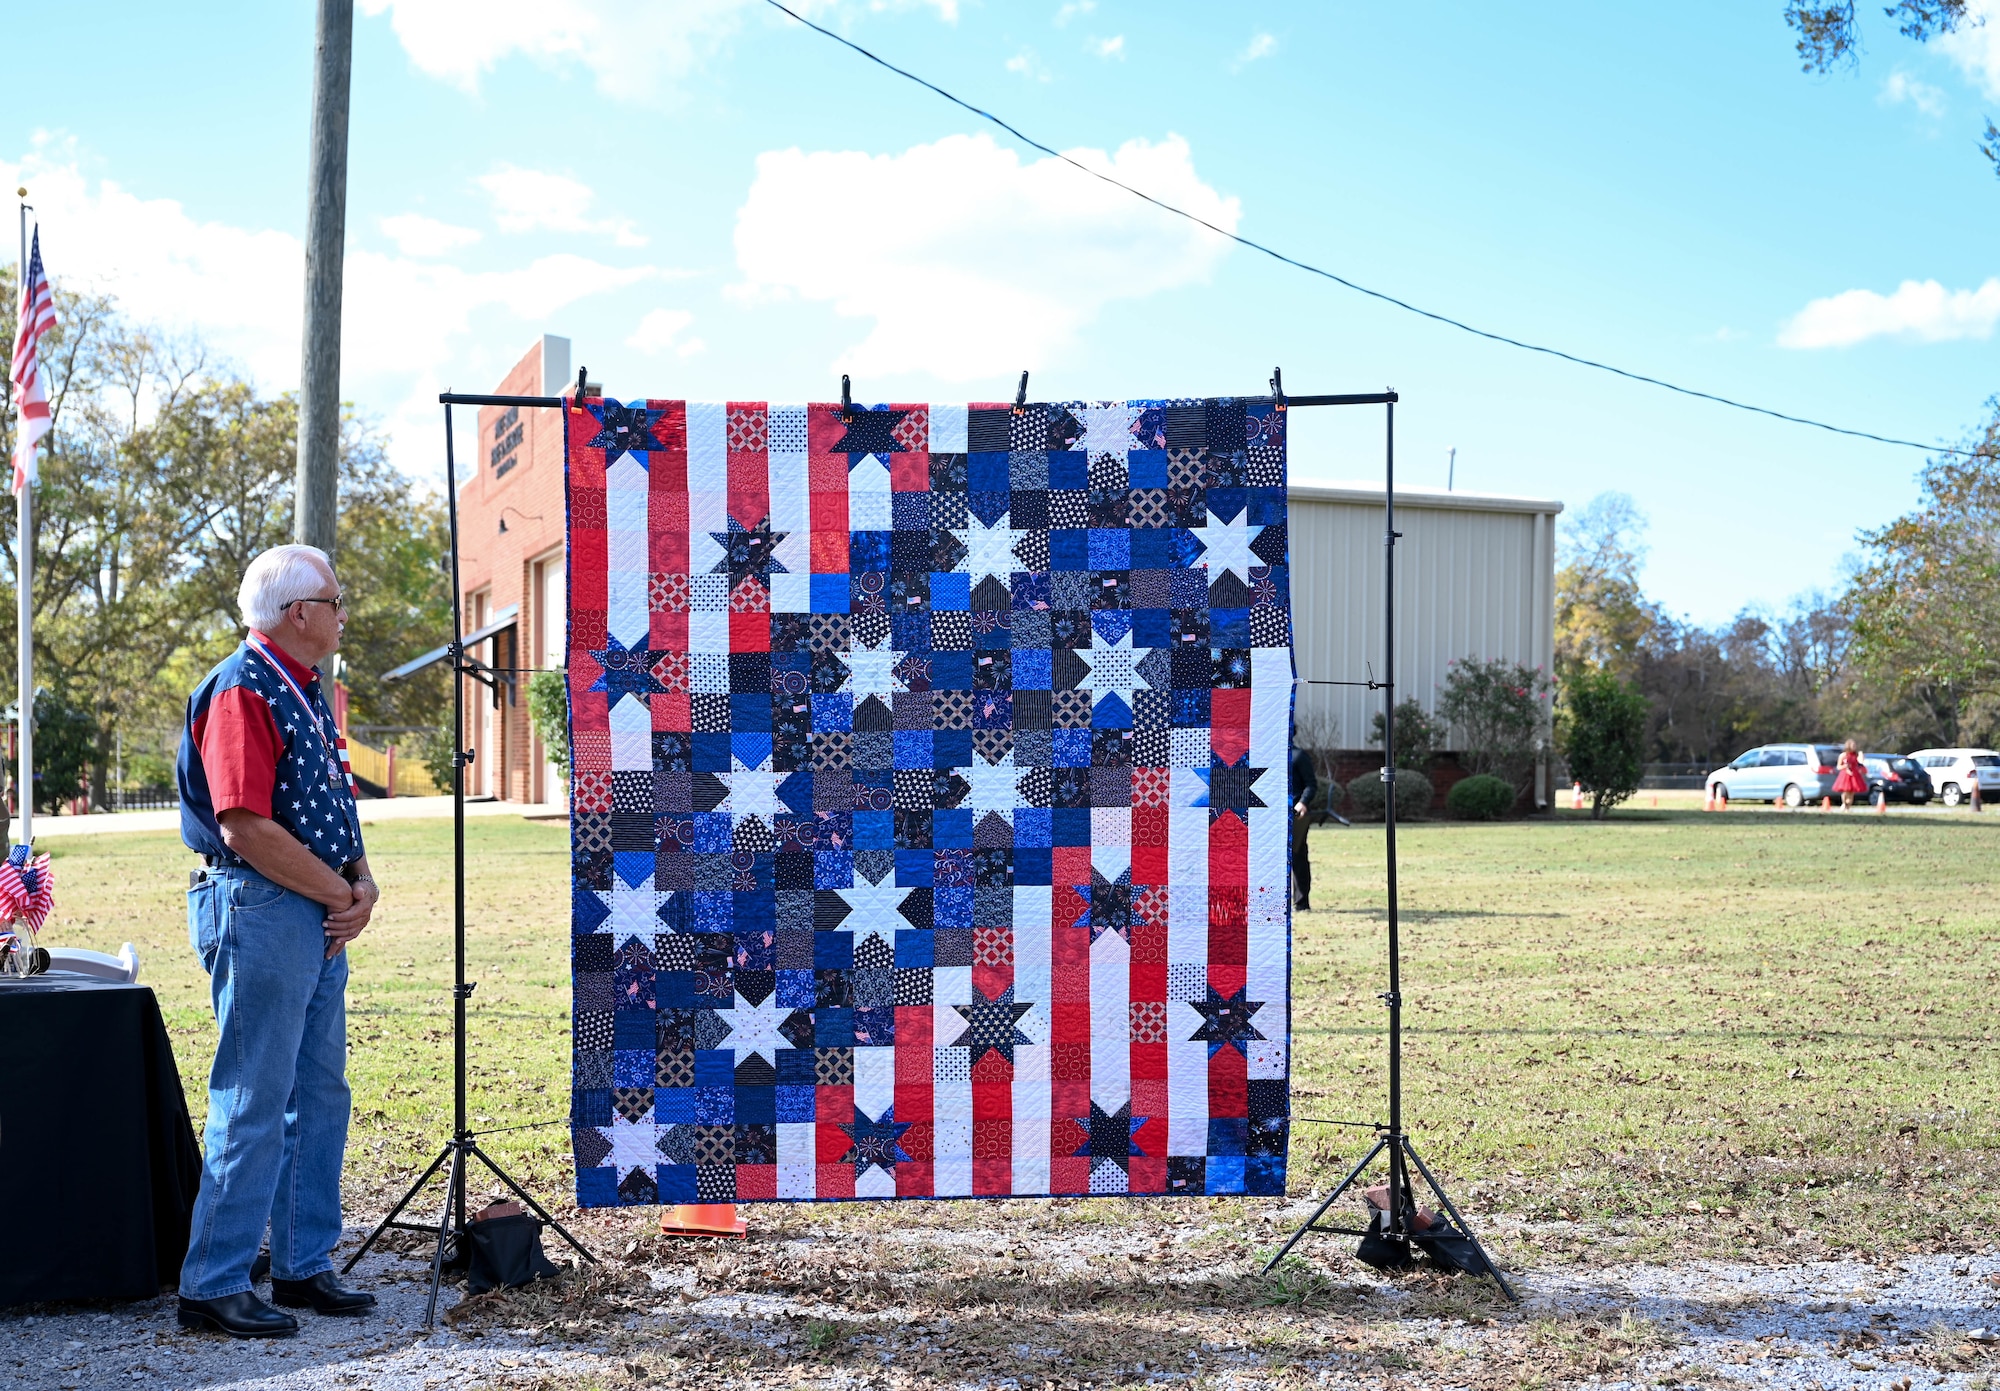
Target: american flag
37,317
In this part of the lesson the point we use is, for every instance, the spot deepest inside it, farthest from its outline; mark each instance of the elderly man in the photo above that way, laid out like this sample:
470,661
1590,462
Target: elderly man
267,804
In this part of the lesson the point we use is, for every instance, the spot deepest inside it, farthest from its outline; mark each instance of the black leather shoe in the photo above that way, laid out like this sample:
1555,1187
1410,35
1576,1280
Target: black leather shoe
323,1294
239,1315
260,1269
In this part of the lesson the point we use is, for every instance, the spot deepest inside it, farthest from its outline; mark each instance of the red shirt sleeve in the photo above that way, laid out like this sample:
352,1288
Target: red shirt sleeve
239,743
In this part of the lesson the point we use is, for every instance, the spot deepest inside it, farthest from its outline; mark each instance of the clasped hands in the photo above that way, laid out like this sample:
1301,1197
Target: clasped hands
345,921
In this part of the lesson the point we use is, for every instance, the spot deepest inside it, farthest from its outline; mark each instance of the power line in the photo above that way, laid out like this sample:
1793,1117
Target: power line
1325,274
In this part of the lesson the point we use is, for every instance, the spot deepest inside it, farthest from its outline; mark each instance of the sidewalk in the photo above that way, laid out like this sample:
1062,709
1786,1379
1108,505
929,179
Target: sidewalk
372,811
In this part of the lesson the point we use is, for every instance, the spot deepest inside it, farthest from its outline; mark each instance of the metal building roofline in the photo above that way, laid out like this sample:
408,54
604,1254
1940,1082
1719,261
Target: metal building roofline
1370,495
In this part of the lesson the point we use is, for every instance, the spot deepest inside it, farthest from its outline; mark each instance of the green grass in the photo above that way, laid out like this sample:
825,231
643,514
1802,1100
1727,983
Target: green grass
117,888
1787,1020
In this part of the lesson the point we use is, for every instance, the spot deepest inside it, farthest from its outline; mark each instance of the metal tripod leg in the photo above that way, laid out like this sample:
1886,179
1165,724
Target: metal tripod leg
451,1190
528,1198
403,1202
1311,1222
1491,1269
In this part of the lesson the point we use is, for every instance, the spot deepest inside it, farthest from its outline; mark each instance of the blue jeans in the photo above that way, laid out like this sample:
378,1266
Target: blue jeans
277,1095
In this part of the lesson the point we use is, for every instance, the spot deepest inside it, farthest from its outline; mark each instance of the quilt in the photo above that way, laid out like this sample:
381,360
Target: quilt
929,799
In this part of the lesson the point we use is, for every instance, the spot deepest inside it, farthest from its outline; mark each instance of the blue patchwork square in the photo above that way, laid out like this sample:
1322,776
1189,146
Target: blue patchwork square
829,593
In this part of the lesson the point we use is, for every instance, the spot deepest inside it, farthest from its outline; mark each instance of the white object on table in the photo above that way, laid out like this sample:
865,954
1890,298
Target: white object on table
122,967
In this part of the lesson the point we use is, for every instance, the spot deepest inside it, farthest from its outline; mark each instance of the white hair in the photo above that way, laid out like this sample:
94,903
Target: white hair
280,576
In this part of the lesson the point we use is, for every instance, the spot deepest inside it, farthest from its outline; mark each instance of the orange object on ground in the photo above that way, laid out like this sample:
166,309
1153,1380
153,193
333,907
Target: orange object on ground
1576,796
702,1219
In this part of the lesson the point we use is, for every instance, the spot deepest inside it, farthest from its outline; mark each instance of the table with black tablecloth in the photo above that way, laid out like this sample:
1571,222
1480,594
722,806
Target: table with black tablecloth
98,1164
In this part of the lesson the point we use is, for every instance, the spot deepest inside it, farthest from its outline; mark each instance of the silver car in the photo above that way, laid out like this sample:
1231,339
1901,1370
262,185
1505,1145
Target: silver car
1790,773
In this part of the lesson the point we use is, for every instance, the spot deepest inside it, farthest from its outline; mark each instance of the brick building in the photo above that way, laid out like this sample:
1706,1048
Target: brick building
511,571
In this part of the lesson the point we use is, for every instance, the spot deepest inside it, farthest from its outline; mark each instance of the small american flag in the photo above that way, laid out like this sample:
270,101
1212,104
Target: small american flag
37,317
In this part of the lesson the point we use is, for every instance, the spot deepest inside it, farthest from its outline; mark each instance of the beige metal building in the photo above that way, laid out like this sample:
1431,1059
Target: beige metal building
1475,577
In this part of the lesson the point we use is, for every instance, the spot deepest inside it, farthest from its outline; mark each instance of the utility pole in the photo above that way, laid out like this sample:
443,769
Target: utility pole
1451,469
317,490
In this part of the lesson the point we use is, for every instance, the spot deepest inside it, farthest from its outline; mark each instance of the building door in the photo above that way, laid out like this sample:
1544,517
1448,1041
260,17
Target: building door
552,625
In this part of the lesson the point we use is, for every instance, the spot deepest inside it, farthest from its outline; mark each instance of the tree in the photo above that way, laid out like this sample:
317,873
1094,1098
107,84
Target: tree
1498,710
1829,37
1926,604
1601,729
1602,616
160,480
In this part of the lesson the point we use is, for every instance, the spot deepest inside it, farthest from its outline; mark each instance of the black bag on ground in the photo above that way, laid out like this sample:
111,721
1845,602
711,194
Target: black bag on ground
507,1253
1377,1250
1451,1249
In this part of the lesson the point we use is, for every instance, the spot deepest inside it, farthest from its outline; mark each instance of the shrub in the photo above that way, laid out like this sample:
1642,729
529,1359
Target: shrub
548,711
1498,709
1418,735
1413,795
1481,797
1603,737
434,750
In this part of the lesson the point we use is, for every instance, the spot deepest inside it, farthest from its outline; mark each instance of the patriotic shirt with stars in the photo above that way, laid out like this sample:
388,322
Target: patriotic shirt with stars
250,742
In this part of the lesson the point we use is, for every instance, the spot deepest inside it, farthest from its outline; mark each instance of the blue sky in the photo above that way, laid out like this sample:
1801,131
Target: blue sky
711,201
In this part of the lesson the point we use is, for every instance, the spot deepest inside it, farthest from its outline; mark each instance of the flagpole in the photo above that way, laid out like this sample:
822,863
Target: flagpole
24,566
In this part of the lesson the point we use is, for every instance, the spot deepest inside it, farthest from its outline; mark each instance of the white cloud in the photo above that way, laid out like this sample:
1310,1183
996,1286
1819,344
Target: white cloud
404,320
1071,9
528,200
634,50
1923,311
1975,48
1028,65
1113,47
996,268
630,48
658,331
1261,45
1900,87
417,235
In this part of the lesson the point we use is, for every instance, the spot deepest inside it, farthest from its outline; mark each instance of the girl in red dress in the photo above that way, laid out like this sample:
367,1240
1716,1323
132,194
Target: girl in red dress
1850,777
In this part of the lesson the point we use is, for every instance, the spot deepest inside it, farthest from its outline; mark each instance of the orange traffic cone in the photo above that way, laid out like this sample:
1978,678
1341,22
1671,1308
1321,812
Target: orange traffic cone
1709,805
1826,803
1576,796
1882,802
702,1219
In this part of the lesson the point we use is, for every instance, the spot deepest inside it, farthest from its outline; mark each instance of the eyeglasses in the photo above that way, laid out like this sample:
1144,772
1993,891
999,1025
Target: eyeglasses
338,601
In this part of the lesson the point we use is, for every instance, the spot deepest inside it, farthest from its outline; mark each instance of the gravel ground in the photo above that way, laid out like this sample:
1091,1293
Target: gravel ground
1830,1324
57,1347
1927,1321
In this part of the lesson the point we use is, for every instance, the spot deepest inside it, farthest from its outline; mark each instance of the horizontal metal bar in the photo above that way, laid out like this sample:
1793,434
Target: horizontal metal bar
456,398
1375,398
1372,398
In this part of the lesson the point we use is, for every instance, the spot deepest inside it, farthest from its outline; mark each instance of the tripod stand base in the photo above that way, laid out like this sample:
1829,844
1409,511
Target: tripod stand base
1400,1151
451,1228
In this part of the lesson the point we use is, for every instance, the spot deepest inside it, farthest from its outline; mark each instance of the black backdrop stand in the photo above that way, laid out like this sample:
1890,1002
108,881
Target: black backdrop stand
1391,1139
463,1146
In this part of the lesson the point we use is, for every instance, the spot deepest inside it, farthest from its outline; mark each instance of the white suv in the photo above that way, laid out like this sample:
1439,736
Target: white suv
1952,771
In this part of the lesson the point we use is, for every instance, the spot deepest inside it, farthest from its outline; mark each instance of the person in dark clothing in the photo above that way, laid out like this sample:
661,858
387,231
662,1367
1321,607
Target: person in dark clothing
1305,789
